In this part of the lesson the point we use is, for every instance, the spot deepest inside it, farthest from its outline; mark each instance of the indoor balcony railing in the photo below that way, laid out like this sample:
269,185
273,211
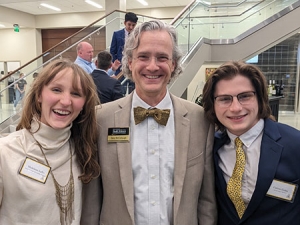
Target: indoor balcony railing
196,21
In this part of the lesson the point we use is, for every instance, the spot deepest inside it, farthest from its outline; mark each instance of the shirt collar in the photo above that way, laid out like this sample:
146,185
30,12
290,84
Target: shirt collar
101,70
165,103
250,136
126,32
84,61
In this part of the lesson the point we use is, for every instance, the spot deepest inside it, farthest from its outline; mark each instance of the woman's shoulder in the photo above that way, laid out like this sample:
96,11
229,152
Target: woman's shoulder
7,141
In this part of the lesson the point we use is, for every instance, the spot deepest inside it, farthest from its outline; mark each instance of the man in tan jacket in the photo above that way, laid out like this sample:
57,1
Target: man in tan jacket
155,149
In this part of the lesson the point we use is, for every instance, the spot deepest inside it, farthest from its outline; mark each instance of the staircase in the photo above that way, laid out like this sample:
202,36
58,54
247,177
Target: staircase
255,40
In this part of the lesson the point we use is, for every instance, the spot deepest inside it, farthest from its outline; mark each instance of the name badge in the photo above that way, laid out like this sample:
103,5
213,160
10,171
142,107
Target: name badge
118,134
35,170
282,190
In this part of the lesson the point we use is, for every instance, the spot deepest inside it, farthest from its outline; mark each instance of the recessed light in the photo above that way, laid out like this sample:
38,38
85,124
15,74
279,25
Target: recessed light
94,4
50,7
143,2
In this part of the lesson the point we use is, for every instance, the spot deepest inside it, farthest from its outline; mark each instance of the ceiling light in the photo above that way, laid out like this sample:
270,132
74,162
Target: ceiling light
50,7
1,25
143,2
94,4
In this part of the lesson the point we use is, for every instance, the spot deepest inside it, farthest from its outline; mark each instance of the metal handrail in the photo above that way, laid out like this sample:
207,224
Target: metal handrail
66,40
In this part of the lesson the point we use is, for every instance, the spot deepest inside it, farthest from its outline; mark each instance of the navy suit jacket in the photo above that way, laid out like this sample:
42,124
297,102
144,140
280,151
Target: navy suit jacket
117,44
279,159
109,89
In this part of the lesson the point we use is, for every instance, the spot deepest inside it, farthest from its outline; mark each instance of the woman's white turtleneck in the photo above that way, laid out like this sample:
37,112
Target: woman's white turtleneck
24,200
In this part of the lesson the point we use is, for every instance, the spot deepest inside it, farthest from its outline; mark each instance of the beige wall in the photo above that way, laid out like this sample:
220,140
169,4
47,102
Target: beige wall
11,16
67,20
196,86
26,45
19,46
22,46
26,20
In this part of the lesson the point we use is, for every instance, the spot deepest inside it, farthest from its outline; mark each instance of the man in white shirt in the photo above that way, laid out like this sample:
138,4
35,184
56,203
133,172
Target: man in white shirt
256,159
154,148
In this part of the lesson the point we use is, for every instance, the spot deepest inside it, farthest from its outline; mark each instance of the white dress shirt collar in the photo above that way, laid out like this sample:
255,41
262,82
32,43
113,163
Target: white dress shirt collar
165,103
250,136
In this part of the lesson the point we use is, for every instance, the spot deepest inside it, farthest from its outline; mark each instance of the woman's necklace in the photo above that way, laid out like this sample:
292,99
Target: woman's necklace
64,194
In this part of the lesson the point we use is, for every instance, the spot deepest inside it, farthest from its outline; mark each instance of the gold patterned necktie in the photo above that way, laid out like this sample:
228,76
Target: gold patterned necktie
234,186
161,116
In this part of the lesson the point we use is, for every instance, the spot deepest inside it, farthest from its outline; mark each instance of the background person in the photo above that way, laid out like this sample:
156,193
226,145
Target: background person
117,45
44,163
85,53
108,89
153,171
256,159
11,90
20,88
34,75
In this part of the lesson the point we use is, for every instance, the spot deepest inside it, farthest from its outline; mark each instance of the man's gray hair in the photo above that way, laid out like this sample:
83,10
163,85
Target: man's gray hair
133,42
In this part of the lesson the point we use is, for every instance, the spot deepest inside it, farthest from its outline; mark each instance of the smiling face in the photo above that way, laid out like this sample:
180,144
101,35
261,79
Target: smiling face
60,102
237,118
150,65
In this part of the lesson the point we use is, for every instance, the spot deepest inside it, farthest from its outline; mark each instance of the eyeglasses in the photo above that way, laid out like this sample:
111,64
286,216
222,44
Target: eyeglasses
243,98
159,60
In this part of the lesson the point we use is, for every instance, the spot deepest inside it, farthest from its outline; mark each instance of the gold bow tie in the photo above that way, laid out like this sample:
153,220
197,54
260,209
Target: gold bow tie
161,116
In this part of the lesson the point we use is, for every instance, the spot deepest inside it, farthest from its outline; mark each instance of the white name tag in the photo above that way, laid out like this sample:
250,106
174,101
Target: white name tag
282,190
35,170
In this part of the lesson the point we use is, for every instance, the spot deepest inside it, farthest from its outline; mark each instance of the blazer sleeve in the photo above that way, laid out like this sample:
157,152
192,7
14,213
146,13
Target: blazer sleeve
91,202
207,206
117,91
114,46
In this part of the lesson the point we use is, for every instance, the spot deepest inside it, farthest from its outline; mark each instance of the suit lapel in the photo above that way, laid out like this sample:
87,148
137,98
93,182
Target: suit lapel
221,185
122,119
182,126
123,34
269,158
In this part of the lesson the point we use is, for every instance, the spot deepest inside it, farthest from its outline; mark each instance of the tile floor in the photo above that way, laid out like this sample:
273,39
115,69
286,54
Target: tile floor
6,110
290,118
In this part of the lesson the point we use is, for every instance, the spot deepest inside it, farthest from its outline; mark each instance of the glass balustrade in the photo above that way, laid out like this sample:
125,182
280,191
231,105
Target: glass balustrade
223,21
94,33
200,19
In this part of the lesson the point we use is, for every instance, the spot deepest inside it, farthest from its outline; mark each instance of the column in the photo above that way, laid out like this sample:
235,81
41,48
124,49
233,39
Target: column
115,20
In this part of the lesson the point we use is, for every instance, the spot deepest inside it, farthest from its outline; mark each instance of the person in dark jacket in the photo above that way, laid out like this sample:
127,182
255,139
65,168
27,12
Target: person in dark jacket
108,88
256,159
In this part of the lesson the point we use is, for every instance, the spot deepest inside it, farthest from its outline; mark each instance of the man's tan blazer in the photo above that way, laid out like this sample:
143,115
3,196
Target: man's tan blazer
194,196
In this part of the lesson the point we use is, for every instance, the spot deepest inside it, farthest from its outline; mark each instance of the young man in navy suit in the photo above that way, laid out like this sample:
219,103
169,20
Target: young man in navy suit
256,183
117,44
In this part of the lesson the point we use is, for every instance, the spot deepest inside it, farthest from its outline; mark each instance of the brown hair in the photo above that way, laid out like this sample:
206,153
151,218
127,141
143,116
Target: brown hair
84,127
226,72
104,59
